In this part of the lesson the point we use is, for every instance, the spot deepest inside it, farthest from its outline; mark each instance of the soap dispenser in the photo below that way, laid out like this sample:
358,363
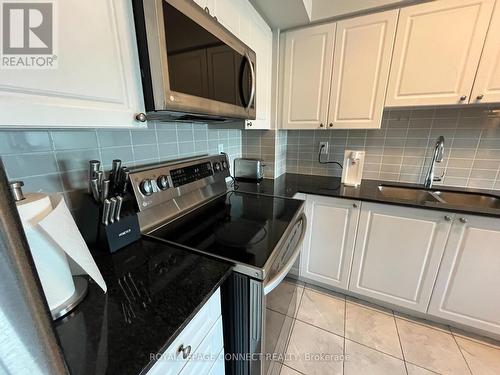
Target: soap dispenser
352,172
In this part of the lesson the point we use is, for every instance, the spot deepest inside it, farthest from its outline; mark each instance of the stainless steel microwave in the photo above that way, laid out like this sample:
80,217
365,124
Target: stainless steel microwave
193,68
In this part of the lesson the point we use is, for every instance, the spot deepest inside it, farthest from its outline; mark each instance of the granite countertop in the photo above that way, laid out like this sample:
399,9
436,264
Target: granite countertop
173,284
289,184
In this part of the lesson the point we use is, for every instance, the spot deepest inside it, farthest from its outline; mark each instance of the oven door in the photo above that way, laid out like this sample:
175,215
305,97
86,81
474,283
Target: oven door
282,292
197,66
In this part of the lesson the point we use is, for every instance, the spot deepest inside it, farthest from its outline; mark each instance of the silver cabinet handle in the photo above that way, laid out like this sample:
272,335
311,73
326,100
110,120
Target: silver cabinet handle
447,218
463,220
252,74
463,97
479,97
141,117
207,10
185,350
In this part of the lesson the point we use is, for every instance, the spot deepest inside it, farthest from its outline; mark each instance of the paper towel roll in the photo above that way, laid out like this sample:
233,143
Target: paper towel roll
50,260
55,241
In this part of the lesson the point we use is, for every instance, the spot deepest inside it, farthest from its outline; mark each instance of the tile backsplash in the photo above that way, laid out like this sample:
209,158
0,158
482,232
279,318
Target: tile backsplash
57,160
402,149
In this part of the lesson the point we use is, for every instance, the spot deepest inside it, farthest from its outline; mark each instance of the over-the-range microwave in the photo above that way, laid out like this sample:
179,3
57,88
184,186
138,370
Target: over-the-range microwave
193,68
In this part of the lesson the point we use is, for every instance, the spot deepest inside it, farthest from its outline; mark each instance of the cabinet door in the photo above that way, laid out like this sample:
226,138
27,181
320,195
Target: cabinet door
397,255
437,50
261,41
329,243
467,288
97,80
487,83
307,70
363,49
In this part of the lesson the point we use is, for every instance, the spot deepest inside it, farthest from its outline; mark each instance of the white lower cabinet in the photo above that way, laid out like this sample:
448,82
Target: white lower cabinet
197,348
397,254
467,289
329,241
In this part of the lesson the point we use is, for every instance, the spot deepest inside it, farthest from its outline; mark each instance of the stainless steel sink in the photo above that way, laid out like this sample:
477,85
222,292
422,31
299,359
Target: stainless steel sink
452,198
467,199
407,194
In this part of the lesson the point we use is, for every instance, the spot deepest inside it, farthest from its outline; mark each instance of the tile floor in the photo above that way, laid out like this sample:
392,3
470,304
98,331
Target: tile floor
377,341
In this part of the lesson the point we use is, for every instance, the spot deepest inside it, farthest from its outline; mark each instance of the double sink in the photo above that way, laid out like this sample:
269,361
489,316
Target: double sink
445,197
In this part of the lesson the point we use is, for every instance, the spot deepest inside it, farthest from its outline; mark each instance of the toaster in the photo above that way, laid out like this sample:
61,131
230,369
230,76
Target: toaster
248,169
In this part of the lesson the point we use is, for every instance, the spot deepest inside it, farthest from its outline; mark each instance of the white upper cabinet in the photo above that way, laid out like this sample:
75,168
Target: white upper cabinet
487,84
437,50
329,241
261,41
241,18
467,288
361,63
307,69
97,79
397,254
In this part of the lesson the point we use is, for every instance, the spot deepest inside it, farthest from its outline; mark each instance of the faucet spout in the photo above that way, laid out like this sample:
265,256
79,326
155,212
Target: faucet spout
437,157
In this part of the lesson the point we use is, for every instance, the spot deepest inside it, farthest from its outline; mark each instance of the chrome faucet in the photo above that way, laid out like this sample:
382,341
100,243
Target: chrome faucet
437,157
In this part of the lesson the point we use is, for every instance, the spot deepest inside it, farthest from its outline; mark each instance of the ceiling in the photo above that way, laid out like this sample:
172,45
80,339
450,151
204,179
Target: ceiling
285,14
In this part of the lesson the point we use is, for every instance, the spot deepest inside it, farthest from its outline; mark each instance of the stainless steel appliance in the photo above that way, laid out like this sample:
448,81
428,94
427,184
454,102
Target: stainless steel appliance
193,69
248,169
187,203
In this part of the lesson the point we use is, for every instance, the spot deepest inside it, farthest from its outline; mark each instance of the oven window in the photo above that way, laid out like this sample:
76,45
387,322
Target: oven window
201,64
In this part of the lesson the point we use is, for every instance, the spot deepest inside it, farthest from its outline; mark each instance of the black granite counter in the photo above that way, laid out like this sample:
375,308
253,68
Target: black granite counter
288,184
165,288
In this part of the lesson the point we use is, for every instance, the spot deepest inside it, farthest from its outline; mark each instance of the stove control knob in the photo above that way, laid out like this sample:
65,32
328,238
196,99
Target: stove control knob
146,187
162,182
217,166
224,165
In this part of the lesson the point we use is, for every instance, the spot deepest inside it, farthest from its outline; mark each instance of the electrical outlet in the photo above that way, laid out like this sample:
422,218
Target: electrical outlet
323,146
221,147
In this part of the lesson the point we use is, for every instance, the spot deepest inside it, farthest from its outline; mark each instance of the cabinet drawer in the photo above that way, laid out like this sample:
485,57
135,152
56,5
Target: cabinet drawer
171,361
207,353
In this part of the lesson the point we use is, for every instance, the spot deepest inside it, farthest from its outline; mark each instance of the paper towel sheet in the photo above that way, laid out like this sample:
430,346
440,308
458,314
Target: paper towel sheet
61,227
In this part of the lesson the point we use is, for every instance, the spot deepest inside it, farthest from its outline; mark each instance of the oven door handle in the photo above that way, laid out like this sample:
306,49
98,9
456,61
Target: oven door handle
276,280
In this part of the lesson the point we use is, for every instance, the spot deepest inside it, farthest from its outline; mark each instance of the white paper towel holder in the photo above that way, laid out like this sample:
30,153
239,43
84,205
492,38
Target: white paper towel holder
81,289
81,283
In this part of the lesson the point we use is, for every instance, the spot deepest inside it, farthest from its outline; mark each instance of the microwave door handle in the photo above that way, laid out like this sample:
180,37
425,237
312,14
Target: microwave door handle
252,74
276,280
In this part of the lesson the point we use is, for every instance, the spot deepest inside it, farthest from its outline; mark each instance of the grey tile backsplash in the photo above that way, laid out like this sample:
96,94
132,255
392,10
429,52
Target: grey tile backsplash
401,150
57,160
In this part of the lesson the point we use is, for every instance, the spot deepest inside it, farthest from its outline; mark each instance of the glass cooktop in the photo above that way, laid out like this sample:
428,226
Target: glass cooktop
242,227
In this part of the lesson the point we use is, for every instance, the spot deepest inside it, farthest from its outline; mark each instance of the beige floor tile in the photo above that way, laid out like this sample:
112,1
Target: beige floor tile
361,360
372,328
307,343
288,371
322,310
415,370
369,305
474,337
430,348
279,299
424,322
482,359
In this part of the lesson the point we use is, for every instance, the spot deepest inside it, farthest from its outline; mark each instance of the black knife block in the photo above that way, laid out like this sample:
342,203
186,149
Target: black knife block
119,234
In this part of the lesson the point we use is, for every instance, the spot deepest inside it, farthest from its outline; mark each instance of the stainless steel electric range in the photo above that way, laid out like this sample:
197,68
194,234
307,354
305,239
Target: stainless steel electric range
187,203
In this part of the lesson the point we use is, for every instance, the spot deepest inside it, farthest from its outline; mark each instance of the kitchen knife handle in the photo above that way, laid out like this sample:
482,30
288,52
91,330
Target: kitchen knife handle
105,211
112,209
94,166
94,187
105,189
118,210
